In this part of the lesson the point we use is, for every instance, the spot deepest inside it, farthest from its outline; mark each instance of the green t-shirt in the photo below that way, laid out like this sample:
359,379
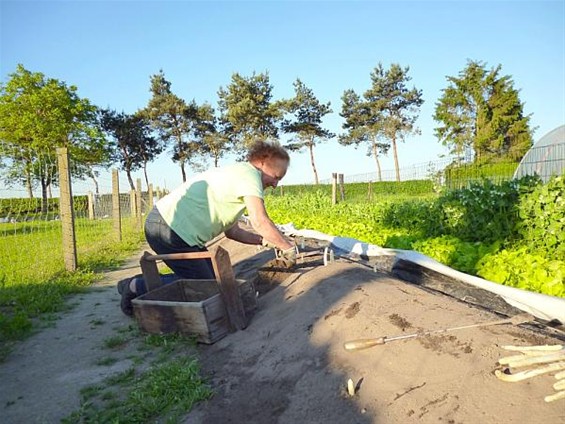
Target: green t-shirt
210,203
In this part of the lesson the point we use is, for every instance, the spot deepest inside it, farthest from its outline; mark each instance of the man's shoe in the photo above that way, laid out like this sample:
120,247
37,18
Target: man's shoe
127,296
122,284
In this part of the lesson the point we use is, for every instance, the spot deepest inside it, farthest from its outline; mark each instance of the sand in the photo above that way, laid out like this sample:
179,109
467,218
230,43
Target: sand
290,366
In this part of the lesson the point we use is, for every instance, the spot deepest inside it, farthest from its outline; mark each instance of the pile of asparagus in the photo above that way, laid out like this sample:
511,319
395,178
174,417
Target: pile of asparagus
541,360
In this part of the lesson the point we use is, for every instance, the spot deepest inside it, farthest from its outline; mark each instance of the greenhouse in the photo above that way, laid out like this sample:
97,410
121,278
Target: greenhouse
546,158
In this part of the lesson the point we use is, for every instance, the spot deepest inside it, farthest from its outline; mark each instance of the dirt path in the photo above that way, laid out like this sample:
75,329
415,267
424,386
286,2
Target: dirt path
42,378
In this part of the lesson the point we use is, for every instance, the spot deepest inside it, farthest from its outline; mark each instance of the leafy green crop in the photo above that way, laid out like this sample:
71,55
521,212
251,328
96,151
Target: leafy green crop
542,218
453,252
484,212
465,228
528,271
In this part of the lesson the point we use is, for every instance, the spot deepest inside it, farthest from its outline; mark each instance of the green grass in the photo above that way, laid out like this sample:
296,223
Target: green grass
166,391
106,361
33,280
162,390
32,251
96,322
122,378
115,342
34,289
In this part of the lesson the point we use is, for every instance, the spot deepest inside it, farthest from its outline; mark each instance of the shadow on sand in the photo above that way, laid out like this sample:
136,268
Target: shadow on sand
275,370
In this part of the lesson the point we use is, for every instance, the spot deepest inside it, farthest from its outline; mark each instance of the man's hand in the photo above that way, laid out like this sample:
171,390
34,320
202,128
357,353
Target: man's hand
287,257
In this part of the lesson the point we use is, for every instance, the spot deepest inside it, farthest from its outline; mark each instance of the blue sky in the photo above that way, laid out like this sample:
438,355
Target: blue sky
109,49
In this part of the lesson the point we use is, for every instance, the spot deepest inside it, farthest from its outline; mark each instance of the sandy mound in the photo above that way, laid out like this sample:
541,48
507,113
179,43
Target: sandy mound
289,365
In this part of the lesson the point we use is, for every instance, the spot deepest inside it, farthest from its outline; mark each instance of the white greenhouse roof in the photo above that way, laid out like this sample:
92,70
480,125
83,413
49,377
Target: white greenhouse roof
546,158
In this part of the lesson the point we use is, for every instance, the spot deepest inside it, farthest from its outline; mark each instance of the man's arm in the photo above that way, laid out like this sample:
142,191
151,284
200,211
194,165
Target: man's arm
235,232
261,223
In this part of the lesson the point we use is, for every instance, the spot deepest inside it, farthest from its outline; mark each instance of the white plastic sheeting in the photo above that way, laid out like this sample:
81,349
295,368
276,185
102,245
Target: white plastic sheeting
540,305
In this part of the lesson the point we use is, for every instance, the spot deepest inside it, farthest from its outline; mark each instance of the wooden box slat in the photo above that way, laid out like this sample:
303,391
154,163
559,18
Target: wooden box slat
190,307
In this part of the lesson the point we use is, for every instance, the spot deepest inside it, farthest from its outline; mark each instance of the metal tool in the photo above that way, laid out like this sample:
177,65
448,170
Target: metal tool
367,343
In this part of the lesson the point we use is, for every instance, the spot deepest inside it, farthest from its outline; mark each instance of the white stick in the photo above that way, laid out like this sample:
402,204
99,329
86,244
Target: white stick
529,373
540,352
508,359
560,385
534,348
350,387
558,395
560,375
531,360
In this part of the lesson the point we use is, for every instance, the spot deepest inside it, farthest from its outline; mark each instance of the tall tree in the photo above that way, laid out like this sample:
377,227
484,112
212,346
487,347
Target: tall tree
133,145
172,117
306,123
39,114
385,116
480,111
360,130
90,165
17,166
247,109
210,133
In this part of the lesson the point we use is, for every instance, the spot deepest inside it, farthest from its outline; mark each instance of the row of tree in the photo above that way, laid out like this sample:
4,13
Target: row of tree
479,111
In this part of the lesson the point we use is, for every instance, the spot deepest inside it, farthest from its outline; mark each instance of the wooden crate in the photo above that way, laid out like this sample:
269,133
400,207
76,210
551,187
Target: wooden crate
190,307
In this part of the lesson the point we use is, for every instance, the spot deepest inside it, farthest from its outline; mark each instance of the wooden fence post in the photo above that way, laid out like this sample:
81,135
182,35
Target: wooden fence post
138,204
132,203
341,187
66,210
151,201
334,188
282,190
116,213
90,205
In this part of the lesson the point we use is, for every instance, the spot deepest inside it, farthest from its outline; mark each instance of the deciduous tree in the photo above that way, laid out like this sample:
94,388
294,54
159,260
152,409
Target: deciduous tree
133,145
39,114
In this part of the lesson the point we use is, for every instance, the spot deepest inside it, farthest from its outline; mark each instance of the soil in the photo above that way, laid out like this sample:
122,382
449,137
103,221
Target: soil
289,364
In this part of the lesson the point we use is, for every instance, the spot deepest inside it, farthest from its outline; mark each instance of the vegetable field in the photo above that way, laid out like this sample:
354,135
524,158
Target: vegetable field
512,232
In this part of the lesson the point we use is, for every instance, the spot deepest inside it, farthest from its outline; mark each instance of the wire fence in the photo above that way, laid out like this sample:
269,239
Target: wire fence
451,172
431,178
35,237
544,161
37,240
